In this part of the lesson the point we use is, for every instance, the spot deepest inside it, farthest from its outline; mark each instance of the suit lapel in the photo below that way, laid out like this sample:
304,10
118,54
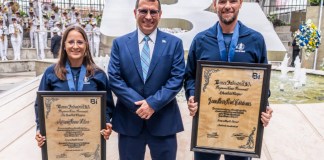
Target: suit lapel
133,48
157,52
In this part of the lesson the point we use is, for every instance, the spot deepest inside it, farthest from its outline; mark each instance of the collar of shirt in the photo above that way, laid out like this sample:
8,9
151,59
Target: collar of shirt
151,42
141,36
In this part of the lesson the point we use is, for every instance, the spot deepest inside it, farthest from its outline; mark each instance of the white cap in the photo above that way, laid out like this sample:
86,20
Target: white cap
56,30
56,23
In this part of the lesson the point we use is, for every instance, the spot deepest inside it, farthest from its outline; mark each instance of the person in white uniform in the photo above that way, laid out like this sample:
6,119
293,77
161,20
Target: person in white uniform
32,21
15,31
3,40
72,16
89,35
19,20
96,38
59,27
39,40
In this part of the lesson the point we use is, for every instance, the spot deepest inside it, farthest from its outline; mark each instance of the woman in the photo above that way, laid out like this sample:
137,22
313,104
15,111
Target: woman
75,61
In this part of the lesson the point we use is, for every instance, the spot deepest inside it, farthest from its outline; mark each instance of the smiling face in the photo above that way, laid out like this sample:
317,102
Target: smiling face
227,10
147,14
75,47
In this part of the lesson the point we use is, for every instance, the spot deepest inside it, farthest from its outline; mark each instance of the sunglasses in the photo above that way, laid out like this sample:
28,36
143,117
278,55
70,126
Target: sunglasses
144,12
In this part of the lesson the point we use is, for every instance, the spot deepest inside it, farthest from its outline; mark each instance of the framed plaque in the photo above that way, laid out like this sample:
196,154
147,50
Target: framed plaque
71,122
231,97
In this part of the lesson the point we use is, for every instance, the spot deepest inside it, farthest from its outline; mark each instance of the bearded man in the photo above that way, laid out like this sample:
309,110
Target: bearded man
219,43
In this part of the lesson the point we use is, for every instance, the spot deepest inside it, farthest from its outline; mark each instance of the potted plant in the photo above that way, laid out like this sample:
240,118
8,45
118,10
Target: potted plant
276,22
315,2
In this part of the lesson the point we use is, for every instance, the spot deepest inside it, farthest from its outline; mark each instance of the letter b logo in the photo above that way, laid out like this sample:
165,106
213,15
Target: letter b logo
256,76
93,101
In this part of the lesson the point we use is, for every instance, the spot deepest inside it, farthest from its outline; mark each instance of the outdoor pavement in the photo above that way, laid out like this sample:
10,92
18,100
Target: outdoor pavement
296,132
10,80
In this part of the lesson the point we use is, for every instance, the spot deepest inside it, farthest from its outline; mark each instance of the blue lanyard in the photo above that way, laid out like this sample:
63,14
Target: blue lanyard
221,43
70,79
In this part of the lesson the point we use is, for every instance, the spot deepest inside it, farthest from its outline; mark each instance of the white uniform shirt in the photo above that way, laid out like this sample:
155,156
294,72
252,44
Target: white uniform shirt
96,34
12,31
3,31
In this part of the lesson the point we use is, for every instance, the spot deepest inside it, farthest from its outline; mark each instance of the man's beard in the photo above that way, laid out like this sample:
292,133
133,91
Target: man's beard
228,21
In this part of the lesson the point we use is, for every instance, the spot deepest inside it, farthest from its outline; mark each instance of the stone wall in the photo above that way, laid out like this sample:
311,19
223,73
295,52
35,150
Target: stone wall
40,66
17,66
28,54
297,18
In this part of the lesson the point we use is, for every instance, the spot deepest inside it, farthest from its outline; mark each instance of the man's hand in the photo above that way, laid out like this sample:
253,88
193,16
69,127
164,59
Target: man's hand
106,132
192,106
40,139
266,116
145,111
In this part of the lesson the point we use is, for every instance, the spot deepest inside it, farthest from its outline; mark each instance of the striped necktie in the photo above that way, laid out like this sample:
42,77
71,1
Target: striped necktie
145,57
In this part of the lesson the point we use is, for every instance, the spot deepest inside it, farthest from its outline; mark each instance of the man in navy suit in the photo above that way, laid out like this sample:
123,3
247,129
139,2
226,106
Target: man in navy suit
55,43
146,72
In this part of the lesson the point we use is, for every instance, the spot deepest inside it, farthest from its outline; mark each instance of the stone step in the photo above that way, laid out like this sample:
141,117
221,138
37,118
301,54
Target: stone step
19,144
285,36
18,100
18,91
17,125
282,29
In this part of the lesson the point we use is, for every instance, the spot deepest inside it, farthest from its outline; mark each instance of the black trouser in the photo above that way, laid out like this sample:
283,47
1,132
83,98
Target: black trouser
294,55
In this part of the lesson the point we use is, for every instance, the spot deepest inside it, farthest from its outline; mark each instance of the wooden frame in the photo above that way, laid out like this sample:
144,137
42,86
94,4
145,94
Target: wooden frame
71,123
231,97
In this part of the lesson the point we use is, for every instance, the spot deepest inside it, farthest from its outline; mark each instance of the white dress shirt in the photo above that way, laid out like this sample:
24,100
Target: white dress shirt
151,42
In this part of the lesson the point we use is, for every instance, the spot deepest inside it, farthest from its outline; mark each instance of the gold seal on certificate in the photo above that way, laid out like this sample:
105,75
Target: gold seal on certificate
231,97
71,122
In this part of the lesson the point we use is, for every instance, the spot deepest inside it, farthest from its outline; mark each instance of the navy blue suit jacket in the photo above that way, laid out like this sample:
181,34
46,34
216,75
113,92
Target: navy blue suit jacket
55,44
164,81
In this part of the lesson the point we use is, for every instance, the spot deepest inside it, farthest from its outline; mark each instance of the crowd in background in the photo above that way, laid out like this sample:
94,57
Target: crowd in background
41,23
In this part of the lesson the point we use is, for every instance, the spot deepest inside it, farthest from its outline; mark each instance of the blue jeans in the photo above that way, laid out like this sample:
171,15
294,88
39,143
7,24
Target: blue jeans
212,156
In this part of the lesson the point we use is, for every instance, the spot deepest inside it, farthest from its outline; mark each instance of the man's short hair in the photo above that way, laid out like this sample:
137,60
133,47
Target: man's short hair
137,1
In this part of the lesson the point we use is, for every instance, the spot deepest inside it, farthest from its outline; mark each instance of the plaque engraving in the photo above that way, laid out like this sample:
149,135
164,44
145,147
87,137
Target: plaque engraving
231,97
71,122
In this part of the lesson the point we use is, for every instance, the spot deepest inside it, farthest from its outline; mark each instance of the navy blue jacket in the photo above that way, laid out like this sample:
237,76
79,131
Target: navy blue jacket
164,81
99,82
55,44
250,48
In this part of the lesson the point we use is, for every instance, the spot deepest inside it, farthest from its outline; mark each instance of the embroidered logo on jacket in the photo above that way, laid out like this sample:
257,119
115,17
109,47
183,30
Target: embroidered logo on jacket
86,80
240,48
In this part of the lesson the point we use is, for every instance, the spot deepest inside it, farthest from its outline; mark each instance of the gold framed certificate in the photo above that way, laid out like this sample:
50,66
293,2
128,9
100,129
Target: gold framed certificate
71,122
231,97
